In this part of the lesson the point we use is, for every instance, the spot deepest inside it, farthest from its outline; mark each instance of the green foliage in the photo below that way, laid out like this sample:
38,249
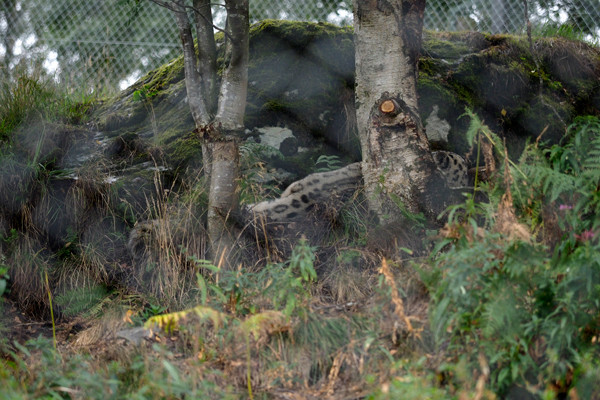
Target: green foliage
11,237
144,94
564,179
533,314
29,97
328,163
35,370
82,300
150,311
18,101
281,286
411,385
3,275
71,243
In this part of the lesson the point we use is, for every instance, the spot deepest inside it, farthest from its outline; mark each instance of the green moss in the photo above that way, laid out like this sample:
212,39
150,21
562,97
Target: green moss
157,79
430,67
433,91
299,33
274,106
441,48
466,80
183,151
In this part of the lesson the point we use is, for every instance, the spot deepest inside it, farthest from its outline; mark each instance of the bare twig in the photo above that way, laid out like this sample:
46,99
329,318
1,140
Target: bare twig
168,6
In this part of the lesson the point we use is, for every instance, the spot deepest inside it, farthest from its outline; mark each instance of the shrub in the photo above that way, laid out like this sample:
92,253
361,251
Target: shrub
533,314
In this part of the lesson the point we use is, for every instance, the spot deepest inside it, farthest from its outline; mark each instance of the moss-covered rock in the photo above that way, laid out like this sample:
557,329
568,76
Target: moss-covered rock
301,75
519,94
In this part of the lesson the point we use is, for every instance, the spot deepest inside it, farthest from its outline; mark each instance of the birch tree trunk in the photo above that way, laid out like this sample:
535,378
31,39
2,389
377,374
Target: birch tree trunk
220,132
398,168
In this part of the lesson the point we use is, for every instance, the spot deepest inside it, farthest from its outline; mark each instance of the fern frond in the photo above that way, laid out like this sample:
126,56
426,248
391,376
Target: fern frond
591,163
331,162
498,316
83,300
551,180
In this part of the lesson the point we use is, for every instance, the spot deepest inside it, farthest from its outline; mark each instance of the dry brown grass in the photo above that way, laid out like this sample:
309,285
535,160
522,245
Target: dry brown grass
28,266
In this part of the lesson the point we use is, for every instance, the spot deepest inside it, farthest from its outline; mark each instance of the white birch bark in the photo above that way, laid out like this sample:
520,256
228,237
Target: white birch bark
397,163
232,97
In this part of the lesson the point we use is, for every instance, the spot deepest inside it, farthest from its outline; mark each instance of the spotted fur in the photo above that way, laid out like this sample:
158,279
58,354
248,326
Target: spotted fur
453,167
298,199
302,196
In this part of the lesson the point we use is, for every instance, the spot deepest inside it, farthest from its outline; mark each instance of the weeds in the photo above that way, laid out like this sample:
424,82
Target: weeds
4,277
39,372
145,95
30,98
530,313
508,313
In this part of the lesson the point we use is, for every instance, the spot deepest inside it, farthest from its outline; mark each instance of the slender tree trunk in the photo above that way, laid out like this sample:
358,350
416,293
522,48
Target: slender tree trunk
220,133
232,97
222,199
224,150
207,52
397,164
193,86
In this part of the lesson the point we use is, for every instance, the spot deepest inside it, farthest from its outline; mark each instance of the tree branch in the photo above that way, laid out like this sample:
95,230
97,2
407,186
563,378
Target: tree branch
207,52
234,87
193,79
168,6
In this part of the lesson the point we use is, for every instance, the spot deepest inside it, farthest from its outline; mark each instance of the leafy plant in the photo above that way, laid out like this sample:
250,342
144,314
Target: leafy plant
3,276
327,163
81,300
531,314
280,285
145,95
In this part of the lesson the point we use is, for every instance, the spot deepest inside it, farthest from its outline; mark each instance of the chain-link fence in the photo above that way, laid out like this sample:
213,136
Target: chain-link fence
106,44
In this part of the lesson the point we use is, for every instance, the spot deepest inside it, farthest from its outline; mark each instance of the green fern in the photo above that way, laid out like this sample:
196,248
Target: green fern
328,163
252,154
532,313
551,181
575,167
591,163
83,300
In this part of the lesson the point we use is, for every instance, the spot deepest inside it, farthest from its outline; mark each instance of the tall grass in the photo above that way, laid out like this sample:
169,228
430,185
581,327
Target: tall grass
28,97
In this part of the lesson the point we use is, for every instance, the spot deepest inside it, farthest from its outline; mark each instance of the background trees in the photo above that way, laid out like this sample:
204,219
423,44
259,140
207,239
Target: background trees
106,45
95,44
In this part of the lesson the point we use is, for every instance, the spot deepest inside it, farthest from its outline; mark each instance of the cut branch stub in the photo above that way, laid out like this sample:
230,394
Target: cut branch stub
390,107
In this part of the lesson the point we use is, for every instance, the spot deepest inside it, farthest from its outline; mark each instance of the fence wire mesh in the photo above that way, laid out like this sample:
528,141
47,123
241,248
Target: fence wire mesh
103,45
